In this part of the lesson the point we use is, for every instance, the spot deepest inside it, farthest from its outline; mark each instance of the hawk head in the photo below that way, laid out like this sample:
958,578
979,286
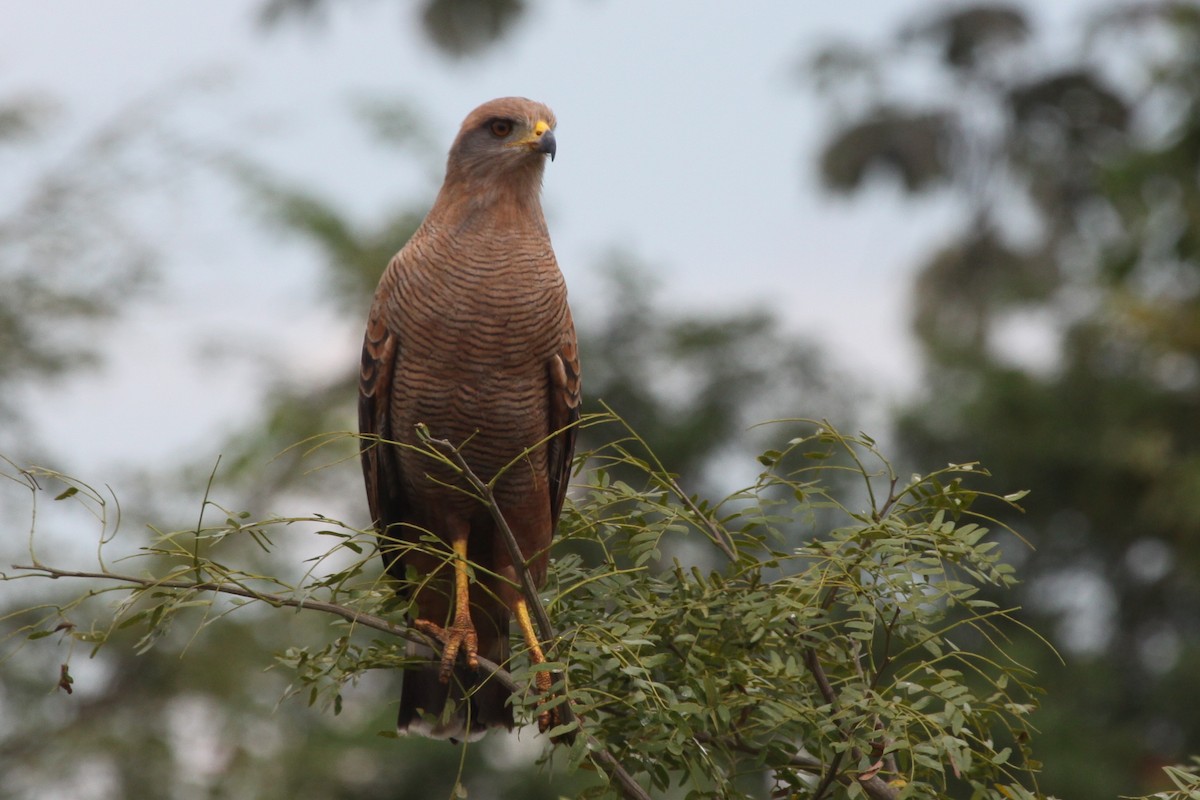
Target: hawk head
509,134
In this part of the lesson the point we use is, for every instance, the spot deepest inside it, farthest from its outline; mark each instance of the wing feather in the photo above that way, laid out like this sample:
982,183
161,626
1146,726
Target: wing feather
565,401
381,468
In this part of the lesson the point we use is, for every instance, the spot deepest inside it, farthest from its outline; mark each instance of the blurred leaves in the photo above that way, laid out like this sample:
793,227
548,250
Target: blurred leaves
969,34
1057,318
355,258
399,124
966,285
1079,205
463,27
22,117
457,27
211,722
913,146
70,259
694,383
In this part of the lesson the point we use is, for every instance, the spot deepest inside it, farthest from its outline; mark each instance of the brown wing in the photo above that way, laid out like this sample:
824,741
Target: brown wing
381,467
565,401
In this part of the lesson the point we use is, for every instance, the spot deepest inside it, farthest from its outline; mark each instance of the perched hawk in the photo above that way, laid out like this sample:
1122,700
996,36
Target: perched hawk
470,335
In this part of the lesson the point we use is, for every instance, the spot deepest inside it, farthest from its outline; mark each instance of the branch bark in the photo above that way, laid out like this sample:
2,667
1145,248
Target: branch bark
875,787
510,540
514,553
628,786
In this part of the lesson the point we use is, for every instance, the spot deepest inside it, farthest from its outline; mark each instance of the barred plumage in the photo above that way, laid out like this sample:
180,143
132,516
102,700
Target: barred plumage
470,335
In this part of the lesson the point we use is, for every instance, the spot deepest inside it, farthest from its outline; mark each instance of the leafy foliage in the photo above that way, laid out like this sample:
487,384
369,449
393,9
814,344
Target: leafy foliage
1110,257
693,384
836,658
857,658
1058,322
1185,780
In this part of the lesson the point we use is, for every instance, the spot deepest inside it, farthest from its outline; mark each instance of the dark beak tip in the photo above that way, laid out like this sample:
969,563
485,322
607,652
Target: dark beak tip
548,144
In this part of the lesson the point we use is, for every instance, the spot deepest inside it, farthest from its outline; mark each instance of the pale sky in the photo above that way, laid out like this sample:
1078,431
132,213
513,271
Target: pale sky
686,138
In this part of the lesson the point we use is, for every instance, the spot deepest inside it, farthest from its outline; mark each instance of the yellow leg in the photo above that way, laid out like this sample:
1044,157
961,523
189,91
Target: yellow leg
461,633
543,680
535,647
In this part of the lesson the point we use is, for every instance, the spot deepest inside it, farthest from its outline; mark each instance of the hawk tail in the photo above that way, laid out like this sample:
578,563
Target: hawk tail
462,709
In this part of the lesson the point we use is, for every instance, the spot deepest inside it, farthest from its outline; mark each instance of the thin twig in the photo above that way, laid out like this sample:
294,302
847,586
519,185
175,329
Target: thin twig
723,542
721,539
514,553
510,540
629,787
818,672
875,788
348,614
827,691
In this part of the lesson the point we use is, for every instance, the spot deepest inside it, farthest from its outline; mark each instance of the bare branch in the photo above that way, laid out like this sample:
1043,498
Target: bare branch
878,789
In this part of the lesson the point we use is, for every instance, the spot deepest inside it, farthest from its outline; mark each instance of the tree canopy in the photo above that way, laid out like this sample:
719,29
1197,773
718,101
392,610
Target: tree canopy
816,623
1057,322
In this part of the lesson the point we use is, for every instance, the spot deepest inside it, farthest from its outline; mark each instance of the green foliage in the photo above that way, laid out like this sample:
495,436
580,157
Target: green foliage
1185,780
859,651
842,648
1082,227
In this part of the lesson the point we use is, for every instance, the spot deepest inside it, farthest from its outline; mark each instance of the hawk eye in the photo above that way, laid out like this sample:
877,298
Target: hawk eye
500,128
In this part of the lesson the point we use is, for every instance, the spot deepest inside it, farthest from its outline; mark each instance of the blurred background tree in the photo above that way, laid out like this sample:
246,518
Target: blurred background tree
69,257
1060,326
1075,176
202,717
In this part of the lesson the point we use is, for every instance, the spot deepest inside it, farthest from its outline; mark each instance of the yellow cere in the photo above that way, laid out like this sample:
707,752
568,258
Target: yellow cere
533,137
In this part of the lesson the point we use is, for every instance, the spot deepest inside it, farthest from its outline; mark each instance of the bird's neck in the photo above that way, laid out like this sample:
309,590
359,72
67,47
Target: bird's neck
468,201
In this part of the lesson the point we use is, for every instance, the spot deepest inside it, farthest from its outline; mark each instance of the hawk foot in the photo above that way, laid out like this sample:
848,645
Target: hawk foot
459,636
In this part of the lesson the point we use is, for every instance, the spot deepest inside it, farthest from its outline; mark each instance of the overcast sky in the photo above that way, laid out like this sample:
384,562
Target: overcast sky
686,138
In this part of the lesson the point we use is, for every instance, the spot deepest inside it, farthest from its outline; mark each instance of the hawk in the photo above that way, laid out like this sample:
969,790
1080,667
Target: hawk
470,335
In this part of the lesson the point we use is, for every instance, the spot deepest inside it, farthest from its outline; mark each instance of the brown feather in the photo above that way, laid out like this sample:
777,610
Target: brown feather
470,334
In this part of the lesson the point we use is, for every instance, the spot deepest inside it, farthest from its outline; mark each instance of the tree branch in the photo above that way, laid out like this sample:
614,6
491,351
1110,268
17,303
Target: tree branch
719,538
510,540
514,553
628,786
278,600
875,787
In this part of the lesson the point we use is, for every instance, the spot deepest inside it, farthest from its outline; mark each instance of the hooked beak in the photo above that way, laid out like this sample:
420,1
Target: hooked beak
540,139
546,143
